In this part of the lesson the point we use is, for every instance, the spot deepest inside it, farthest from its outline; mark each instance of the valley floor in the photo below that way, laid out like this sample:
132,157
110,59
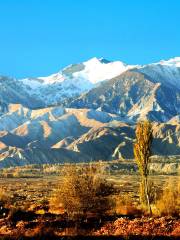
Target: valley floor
37,221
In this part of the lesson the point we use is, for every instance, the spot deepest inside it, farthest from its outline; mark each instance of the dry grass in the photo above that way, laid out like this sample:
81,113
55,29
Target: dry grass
4,196
5,199
86,195
83,192
169,202
126,206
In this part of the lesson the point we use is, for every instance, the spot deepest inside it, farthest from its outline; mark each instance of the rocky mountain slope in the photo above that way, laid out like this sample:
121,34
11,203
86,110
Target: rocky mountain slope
88,111
125,92
69,82
55,134
134,96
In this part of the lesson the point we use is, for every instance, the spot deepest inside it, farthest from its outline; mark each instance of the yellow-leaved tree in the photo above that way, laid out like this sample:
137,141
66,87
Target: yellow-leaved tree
142,153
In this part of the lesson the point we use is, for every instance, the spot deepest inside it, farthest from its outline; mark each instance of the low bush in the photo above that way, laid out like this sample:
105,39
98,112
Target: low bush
83,193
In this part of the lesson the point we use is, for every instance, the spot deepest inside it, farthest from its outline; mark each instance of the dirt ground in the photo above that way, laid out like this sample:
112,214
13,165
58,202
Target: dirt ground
37,222
35,190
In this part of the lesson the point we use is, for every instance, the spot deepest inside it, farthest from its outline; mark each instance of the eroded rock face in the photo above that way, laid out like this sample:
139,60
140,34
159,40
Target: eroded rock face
134,96
66,134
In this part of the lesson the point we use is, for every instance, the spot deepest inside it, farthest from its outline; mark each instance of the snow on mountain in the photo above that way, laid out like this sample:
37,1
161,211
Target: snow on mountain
72,80
173,62
94,70
97,70
79,78
57,77
166,72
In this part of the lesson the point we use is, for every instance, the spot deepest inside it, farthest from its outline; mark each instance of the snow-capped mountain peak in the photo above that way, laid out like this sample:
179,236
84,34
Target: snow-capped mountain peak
76,79
171,62
72,80
94,70
164,71
81,70
97,70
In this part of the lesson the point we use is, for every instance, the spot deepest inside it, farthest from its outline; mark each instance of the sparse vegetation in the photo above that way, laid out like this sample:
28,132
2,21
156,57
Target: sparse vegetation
83,193
5,202
4,197
168,203
125,205
88,200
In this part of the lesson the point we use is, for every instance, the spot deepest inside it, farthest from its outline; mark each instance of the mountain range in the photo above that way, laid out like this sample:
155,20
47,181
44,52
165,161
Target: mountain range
88,112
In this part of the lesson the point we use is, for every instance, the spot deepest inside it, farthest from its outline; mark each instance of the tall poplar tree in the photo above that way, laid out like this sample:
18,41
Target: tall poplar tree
142,153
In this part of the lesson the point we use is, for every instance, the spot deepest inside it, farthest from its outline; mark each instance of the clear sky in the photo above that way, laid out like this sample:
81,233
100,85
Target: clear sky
39,37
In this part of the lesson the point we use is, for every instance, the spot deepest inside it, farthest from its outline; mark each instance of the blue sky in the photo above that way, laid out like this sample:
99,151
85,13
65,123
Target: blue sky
39,37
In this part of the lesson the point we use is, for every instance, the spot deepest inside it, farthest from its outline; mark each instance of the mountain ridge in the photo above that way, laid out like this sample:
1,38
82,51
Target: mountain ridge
88,112
56,135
